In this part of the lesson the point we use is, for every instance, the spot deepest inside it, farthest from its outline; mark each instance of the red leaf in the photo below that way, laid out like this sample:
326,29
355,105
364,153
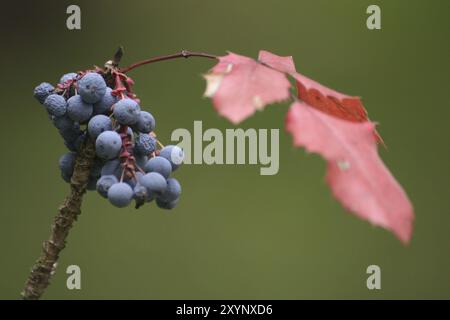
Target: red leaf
357,176
316,95
330,123
239,86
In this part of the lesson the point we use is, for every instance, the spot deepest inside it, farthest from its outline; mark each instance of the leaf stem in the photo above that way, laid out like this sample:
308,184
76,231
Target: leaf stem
182,54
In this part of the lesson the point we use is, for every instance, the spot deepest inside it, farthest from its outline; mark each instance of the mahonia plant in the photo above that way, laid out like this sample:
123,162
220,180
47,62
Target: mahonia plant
114,149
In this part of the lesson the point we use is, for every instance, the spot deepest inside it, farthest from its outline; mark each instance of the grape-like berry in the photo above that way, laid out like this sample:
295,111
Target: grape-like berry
154,182
79,110
142,194
67,164
98,124
126,112
106,102
172,192
63,123
108,145
42,91
174,154
104,183
71,134
67,77
145,144
92,87
120,194
160,165
112,167
145,123
56,105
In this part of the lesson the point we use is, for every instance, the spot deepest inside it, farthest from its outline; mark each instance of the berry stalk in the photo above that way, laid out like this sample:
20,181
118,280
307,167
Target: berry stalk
69,211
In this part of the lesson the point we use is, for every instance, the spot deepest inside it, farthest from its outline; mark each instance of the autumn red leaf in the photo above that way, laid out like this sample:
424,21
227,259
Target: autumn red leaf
239,86
356,175
316,95
324,121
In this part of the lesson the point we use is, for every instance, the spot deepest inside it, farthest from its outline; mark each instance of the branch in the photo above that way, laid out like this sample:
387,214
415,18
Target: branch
44,267
181,54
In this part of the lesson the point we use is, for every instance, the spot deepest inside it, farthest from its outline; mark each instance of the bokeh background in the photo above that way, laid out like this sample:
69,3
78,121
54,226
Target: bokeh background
235,234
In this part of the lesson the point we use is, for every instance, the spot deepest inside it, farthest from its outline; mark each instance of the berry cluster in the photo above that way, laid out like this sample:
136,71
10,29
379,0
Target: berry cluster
130,162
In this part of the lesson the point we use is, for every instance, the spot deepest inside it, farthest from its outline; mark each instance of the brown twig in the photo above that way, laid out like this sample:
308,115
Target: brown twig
181,54
44,267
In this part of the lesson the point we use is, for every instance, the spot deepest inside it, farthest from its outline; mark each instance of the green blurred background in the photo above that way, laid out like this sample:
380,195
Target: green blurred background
235,234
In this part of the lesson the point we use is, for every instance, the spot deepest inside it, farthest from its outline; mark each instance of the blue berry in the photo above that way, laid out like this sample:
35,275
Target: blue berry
63,123
174,154
120,194
42,91
146,122
104,183
104,105
112,167
144,144
154,182
160,165
68,76
142,194
98,124
108,145
172,192
126,111
91,87
71,134
67,164
56,105
78,110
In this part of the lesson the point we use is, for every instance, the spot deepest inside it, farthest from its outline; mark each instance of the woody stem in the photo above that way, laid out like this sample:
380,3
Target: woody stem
181,54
